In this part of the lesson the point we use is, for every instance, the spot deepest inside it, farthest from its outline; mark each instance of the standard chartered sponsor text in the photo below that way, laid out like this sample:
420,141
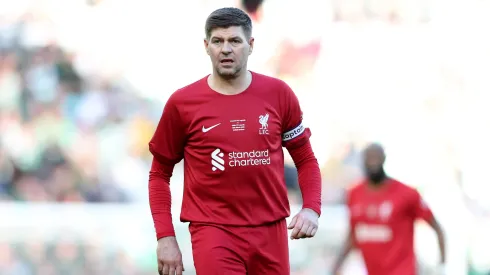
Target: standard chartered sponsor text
251,158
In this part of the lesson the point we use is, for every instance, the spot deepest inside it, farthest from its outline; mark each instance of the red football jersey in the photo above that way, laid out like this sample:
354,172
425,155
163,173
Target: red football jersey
232,150
382,226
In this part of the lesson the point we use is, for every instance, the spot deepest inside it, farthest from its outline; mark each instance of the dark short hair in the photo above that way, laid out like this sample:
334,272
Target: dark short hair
228,17
376,147
251,6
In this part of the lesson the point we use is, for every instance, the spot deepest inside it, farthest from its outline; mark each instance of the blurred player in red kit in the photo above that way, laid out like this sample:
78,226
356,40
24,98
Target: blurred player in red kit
229,128
382,216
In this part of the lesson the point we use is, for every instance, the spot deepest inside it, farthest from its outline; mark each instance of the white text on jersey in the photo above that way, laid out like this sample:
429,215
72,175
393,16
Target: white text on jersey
289,135
239,159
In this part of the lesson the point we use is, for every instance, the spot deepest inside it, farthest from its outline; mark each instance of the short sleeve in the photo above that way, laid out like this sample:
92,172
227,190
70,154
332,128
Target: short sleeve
348,202
294,133
167,143
421,209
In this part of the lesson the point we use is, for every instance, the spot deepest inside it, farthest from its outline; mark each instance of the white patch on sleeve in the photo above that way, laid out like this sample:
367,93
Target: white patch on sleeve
292,134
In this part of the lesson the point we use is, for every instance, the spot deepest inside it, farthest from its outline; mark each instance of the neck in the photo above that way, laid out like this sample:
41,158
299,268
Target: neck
230,86
378,185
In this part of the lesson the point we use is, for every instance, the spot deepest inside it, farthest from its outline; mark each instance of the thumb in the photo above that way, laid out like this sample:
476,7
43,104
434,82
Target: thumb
293,222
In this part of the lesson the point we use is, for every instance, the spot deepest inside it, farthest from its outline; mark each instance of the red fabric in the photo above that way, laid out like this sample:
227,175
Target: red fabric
161,199
382,222
309,176
232,151
260,250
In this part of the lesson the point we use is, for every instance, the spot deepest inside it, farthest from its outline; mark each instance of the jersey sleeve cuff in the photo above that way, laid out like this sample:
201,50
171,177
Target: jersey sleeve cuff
317,210
170,233
163,225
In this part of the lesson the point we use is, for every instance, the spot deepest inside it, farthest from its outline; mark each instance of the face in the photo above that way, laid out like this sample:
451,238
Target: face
229,50
373,160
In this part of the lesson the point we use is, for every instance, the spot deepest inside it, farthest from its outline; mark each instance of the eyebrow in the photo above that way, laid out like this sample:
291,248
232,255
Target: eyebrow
230,38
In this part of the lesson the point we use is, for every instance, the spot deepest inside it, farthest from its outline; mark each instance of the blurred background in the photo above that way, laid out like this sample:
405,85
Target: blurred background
83,84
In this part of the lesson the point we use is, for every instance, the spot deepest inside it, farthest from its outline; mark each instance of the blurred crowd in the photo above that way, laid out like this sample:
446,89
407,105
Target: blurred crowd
65,137
64,257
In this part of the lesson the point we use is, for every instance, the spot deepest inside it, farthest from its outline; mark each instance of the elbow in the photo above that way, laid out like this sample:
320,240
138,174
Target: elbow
303,156
160,171
438,229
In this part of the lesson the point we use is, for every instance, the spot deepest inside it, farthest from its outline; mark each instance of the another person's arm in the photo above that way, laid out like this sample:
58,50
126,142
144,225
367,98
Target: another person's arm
422,211
441,241
349,243
347,247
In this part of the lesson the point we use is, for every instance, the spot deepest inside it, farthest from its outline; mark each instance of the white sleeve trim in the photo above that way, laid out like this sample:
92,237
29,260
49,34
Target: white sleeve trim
289,135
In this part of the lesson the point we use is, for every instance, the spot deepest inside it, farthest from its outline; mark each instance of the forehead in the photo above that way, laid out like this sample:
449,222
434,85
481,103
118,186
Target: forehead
373,153
232,31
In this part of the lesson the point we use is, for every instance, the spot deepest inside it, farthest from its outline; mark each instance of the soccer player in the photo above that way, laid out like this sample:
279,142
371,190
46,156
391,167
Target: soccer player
229,128
382,215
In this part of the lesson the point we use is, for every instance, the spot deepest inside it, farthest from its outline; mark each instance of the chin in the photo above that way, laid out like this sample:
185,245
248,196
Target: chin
228,74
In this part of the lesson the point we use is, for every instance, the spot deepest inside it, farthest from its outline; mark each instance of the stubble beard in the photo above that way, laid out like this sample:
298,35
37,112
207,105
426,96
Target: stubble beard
229,74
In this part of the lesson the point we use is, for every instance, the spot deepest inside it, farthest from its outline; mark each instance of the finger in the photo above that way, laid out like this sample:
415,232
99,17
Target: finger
304,229
313,232
296,229
309,233
179,269
165,269
171,270
293,222
160,267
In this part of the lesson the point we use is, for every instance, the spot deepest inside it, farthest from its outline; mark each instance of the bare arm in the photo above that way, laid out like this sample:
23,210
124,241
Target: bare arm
422,211
347,247
441,240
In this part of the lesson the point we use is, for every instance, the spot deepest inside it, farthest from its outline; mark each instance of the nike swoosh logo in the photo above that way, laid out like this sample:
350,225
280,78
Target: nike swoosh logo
204,129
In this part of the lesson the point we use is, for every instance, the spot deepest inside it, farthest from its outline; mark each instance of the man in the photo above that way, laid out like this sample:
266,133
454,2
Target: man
382,216
229,127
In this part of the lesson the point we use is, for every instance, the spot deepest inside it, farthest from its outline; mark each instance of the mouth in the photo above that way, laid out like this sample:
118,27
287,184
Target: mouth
226,61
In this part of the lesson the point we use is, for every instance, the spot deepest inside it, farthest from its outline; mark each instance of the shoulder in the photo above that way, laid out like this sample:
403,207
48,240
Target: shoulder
402,186
355,189
406,189
183,93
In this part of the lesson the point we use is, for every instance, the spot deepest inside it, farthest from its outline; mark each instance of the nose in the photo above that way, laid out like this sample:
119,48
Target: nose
372,163
226,49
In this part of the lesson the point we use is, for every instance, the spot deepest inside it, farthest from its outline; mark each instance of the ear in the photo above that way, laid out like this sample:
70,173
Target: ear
206,43
251,43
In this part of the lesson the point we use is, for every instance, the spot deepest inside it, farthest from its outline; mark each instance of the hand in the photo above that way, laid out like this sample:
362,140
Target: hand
169,257
304,224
